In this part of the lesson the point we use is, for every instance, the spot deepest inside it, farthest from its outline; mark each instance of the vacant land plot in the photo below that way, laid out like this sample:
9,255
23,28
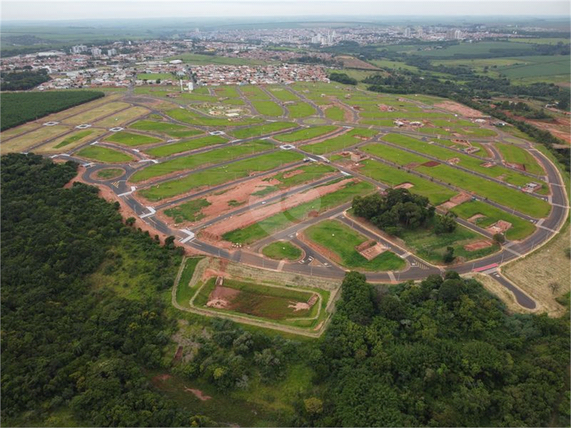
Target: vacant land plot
283,220
93,115
282,250
335,113
254,92
305,134
485,215
193,118
189,211
202,159
170,129
342,240
122,117
184,146
198,59
519,156
219,175
184,292
268,108
436,193
104,154
259,130
70,141
301,175
156,76
131,139
299,110
24,142
341,142
283,94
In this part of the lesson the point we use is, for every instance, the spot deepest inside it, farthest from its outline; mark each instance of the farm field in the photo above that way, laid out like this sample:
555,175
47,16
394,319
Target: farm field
190,162
170,129
104,154
305,134
219,175
282,250
131,139
350,138
184,146
342,240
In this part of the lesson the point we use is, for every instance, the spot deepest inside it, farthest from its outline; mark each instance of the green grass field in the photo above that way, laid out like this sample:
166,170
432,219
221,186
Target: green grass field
73,138
303,174
287,218
435,193
300,110
342,240
254,92
282,94
515,154
520,228
183,146
220,175
259,130
170,129
156,76
109,173
189,211
305,134
348,139
335,113
193,118
267,108
131,139
282,250
183,292
198,59
104,154
194,161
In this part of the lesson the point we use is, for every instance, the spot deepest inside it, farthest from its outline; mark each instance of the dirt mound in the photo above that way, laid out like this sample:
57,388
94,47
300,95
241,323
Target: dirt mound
500,226
453,161
459,108
431,164
198,393
454,201
221,297
478,245
404,186
293,173
370,249
474,219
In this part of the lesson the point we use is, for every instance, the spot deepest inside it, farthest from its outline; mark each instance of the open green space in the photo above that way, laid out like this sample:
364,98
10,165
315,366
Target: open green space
342,240
515,154
185,146
184,292
156,76
340,142
335,113
262,301
499,193
254,92
199,59
465,50
300,109
131,139
436,193
301,175
109,173
104,154
305,134
520,228
73,138
171,129
189,211
226,91
193,118
282,93
282,250
267,108
259,130
296,214
220,175
207,158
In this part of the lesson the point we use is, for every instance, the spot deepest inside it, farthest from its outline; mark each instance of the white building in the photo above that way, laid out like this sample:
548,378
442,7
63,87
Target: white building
95,51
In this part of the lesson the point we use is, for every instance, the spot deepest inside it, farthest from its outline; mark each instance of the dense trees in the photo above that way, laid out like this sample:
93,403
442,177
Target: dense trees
66,345
19,108
441,353
23,80
342,78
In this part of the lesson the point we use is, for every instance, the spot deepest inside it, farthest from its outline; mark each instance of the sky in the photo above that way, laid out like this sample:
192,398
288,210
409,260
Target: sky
41,10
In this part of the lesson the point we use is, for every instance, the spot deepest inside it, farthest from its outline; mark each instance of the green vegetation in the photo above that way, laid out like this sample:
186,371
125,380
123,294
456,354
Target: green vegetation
301,175
184,146
189,211
305,134
131,139
335,113
283,94
193,118
171,129
156,76
299,110
342,240
207,158
23,80
342,78
514,154
184,292
267,108
520,228
109,173
104,154
282,250
199,59
21,107
259,130
73,138
280,221
341,142
220,175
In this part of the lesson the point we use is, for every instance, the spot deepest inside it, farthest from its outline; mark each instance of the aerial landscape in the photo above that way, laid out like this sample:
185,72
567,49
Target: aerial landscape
290,213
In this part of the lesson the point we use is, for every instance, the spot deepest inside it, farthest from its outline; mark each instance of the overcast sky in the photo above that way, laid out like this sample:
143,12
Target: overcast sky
106,9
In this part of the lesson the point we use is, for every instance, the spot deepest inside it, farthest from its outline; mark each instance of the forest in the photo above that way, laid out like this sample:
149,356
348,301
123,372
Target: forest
19,108
85,322
23,80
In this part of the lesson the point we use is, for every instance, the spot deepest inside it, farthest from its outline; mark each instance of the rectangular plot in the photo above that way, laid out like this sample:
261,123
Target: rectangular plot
305,134
68,142
300,110
267,108
283,94
23,142
183,146
122,117
338,143
259,130
92,115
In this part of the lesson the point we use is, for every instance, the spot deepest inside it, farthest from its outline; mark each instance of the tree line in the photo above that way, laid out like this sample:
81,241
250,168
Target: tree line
23,80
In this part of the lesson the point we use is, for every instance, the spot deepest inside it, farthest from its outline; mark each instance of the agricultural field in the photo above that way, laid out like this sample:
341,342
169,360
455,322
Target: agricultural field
185,146
131,139
190,162
219,175
341,240
170,129
104,154
282,250
305,134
